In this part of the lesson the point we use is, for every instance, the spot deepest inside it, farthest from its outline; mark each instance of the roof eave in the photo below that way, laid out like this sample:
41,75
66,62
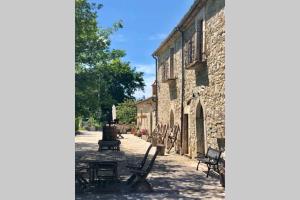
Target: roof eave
197,3
144,100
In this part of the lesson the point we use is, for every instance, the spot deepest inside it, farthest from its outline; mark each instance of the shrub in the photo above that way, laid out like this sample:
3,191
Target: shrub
126,112
91,122
77,123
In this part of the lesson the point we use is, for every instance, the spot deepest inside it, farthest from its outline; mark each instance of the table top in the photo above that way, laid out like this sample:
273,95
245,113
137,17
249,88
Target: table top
102,156
98,161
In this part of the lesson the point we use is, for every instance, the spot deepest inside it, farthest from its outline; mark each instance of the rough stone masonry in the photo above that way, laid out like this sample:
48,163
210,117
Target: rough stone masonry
191,77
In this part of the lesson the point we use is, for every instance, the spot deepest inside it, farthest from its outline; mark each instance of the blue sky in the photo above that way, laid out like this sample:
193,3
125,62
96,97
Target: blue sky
146,24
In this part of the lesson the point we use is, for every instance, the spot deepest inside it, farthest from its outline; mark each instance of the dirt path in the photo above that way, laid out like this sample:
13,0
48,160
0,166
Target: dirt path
172,176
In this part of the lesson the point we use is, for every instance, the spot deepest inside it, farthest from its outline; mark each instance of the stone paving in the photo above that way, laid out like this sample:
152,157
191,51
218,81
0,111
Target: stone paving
172,176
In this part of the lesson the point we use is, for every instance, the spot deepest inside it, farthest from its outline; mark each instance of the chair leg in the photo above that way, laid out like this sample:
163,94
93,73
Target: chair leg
218,170
149,186
134,185
198,165
131,178
138,181
208,171
141,181
83,183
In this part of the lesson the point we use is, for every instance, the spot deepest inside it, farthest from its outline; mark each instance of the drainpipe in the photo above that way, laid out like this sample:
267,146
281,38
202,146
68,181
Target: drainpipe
182,83
156,99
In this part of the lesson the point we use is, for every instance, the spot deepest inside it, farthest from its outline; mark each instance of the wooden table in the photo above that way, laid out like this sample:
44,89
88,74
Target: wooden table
102,171
109,145
101,166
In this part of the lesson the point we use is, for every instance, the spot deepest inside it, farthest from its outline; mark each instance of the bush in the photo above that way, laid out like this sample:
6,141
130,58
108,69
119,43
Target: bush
91,122
77,123
126,112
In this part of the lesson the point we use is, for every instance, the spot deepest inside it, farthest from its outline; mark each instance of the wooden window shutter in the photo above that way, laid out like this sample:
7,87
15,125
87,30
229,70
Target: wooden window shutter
199,39
172,63
190,51
167,71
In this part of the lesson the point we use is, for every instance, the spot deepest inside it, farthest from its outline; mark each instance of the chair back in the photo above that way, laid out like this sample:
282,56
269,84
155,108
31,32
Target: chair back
213,154
146,155
149,167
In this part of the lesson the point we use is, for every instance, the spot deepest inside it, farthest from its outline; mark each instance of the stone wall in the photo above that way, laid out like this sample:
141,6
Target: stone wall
146,115
169,93
203,86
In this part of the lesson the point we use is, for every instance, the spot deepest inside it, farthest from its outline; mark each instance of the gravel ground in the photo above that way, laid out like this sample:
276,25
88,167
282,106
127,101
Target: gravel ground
172,176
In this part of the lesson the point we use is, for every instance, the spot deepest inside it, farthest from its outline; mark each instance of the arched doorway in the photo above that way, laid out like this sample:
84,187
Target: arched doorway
171,119
201,140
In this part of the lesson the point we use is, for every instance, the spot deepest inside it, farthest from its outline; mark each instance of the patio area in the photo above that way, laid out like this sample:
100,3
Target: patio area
172,176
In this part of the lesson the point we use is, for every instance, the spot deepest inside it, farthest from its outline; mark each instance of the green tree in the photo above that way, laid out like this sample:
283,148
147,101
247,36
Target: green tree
102,78
91,42
126,111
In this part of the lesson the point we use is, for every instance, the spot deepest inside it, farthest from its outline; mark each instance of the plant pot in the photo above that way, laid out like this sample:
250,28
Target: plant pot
221,143
92,128
154,142
161,149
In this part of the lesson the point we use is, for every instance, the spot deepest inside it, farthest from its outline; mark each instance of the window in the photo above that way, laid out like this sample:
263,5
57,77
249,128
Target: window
172,63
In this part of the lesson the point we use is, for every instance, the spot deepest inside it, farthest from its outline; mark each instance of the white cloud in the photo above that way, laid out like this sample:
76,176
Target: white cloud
148,69
158,36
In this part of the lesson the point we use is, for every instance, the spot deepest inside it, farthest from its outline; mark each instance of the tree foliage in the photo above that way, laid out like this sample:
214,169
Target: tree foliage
126,111
102,78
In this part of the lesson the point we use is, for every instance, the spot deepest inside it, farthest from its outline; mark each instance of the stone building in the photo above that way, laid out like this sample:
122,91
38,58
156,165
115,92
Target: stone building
146,112
190,76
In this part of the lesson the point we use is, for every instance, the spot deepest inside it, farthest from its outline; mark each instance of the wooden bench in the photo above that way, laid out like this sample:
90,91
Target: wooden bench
211,159
222,172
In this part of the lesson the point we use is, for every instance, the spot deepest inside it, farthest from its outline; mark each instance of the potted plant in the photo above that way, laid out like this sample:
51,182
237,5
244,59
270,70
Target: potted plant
139,133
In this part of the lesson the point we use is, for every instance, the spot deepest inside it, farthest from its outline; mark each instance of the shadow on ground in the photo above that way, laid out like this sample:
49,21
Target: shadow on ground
170,177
